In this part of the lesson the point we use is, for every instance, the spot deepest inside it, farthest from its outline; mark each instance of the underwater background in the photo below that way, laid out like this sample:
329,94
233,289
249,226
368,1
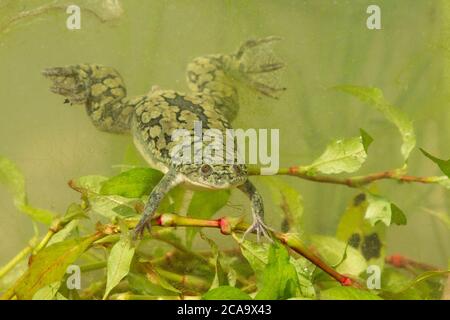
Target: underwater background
325,44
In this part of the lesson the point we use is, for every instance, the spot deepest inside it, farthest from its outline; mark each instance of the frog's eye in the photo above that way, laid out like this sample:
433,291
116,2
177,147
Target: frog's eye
206,170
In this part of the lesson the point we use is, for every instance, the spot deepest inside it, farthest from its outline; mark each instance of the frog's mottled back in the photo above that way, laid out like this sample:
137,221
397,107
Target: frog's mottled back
163,111
213,101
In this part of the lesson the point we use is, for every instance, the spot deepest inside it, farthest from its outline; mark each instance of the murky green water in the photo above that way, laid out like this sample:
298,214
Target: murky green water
326,43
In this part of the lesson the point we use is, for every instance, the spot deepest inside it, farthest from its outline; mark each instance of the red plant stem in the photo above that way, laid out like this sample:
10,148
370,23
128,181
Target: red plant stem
227,226
400,261
352,182
298,247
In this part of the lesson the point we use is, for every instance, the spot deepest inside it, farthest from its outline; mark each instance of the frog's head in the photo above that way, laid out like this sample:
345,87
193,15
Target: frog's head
214,176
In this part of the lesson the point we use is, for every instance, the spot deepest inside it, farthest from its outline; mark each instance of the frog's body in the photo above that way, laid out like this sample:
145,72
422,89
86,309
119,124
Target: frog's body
152,118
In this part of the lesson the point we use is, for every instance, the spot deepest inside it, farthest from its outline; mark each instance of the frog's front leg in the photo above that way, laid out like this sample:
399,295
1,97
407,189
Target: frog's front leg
257,204
168,182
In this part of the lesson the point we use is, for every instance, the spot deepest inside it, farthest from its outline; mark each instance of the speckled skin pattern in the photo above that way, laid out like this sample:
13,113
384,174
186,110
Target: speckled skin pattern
213,82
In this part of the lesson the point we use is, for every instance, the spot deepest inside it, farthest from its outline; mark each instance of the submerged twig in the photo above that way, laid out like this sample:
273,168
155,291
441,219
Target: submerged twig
229,226
352,182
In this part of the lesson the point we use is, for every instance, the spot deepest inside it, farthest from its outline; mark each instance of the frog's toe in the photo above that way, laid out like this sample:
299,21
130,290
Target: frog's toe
260,228
267,67
259,67
267,90
138,232
252,43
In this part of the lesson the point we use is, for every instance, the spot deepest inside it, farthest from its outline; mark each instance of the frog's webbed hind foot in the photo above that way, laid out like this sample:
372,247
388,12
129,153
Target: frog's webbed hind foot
260,228
100,88
259,67
83,82
252,43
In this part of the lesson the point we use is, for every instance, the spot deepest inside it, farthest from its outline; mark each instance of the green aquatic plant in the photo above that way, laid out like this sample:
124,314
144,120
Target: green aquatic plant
94,234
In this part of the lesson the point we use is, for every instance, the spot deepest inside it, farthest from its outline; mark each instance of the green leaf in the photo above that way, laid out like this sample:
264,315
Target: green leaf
39,215
444,165
305,270
125,211
280,279
375,98
333,251
444,182
231,276
90,184
203,205
10,278
59,296
426,276
257,255
72,218
344,155
395,285
289,200
48,292
62,234
133,183
119,262
113,198
107,206
366,140
347,293
74,211
226,293
50,265
381,209
220,278
13,180
153,285
357,232
398,216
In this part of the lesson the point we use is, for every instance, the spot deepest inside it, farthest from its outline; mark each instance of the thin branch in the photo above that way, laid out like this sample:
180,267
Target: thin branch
131,296
229,225
399,261
352,182
14,261
93,266
180,247
32,247
184,279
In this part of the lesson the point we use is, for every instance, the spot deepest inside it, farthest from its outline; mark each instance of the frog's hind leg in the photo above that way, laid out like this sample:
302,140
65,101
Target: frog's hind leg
259,67
170,180
258,226
221,76
101,89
